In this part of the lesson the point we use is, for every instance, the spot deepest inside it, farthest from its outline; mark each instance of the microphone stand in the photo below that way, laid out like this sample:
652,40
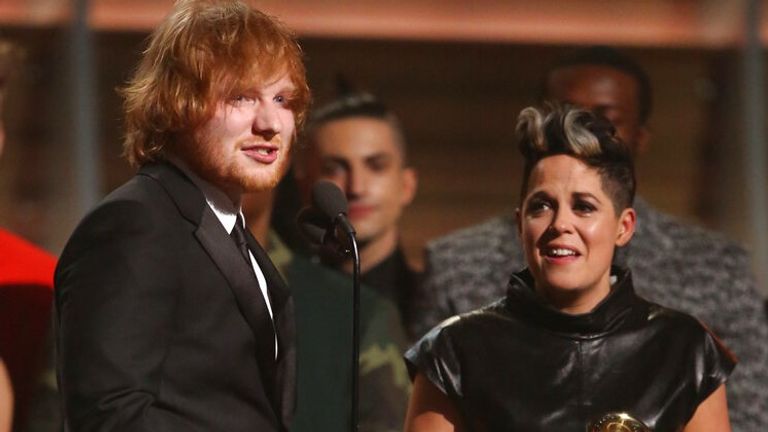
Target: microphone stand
355,333
341,222
318,222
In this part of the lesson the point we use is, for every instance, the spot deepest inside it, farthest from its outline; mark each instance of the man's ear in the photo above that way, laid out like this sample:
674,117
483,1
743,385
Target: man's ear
410,183
626,228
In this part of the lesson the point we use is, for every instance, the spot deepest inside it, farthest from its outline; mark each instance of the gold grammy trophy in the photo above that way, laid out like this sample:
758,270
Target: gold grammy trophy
617,422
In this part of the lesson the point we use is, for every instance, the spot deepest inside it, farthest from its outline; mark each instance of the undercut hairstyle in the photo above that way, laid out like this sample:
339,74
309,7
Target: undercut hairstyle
357,104
588,137
612,58
204,52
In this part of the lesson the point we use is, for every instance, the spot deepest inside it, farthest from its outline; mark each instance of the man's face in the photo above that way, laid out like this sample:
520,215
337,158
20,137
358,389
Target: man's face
605,91
363,156
245,146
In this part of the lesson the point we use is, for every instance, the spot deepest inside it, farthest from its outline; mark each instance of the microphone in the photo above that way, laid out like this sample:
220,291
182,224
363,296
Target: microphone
320,231
331,202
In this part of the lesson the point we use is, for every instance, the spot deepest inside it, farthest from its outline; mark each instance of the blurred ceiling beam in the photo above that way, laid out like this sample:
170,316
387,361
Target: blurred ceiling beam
678,23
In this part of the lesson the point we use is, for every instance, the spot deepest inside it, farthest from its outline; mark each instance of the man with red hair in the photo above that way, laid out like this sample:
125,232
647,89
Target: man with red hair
170,316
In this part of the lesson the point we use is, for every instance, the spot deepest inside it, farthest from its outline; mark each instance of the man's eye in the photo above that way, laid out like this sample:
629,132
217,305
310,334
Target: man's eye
239,99
379,164
284,99
331,169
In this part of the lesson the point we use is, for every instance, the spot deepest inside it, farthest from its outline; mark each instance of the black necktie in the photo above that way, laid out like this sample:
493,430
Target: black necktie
238,236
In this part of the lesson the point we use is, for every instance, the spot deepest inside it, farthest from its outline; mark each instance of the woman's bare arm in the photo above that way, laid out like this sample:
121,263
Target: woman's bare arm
711,415
6,399
429,410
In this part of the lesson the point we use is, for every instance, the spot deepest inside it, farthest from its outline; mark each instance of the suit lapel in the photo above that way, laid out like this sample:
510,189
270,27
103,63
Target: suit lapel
279,377
285,326
224,253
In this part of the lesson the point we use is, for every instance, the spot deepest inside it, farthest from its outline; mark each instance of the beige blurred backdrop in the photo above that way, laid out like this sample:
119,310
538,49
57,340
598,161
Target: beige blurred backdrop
457,73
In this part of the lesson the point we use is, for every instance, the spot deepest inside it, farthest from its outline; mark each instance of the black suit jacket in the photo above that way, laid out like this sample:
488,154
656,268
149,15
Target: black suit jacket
160,321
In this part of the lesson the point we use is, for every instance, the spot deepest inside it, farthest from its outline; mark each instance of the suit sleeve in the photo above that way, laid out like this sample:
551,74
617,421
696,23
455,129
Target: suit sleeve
115,297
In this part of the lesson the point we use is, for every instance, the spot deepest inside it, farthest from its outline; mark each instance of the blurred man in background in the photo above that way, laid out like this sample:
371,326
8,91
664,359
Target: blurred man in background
356,142
673,263
323,299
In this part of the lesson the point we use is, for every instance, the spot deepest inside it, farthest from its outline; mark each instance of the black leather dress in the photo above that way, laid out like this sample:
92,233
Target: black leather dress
521,365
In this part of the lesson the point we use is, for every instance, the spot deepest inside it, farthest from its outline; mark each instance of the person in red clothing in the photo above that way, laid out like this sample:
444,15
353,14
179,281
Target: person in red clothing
26,289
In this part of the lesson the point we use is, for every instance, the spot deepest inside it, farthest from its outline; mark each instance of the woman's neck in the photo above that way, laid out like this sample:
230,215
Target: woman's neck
579,300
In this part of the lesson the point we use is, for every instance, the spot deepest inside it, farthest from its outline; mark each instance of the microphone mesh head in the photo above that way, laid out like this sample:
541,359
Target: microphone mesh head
328,198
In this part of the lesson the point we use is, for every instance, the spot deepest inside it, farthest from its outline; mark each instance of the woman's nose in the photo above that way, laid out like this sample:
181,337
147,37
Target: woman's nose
561,222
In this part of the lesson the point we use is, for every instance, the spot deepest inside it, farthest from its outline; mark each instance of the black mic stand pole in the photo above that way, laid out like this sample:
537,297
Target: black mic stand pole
341,223
355,332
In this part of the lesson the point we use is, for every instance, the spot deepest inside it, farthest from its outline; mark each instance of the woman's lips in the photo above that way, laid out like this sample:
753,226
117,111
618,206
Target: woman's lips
558,254
262,154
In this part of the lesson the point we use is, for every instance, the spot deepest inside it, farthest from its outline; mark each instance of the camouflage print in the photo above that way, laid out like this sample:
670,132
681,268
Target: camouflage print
323,300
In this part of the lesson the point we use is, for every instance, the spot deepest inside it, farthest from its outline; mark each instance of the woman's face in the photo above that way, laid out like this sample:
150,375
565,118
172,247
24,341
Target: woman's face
569,230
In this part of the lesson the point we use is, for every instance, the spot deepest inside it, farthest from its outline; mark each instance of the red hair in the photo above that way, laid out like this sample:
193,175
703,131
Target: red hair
205,50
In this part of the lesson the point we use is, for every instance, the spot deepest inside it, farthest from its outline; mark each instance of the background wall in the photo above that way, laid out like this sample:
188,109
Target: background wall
457,101
457,89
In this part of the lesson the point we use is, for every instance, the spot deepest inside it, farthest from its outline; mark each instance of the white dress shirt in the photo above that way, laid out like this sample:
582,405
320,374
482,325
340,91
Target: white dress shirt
226,213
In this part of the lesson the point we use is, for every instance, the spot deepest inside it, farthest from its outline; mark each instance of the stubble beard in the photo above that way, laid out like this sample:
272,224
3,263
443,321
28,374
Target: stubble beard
227,171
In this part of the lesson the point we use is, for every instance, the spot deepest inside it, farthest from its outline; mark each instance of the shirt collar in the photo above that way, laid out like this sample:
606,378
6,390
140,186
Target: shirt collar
218,201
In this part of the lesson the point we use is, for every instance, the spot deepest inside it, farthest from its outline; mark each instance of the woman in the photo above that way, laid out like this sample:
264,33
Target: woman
571,345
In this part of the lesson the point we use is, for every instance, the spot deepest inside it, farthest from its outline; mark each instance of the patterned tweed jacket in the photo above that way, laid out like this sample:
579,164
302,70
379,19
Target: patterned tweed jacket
674,264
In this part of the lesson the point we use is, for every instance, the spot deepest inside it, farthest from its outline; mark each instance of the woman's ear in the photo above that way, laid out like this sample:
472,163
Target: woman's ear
626,228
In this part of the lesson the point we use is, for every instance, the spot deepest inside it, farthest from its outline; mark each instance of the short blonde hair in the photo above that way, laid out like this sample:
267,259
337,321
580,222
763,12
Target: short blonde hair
203,51
555,129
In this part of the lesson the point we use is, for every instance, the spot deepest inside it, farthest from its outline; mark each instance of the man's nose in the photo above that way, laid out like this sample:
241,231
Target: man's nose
356,183
266,121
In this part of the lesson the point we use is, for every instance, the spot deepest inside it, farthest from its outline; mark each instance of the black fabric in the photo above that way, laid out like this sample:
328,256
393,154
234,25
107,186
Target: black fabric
395,280
521,365
238,236
160,324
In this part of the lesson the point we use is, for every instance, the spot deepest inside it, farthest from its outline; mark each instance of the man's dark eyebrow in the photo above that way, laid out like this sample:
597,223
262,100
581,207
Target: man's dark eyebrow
378,156
337,160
